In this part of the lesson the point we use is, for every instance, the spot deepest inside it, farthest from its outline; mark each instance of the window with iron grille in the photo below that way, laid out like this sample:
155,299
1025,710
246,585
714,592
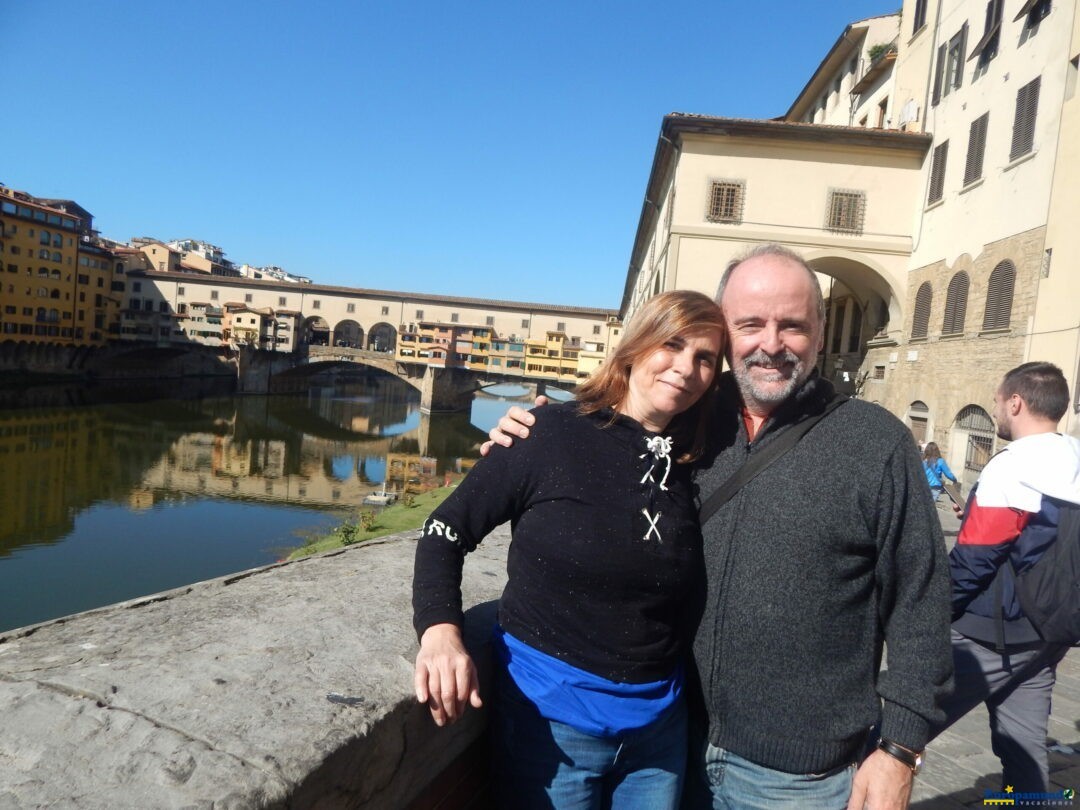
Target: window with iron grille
921,320
726,201
999,296
987,46
847,210
937,172
980,430
879,373
956,304
973,167
1027,103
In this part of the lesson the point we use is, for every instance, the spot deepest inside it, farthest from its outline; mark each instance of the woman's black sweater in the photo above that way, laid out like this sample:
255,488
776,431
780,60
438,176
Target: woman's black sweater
591,580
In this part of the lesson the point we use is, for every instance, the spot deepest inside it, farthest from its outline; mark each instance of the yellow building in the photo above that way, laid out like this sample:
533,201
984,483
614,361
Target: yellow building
38,250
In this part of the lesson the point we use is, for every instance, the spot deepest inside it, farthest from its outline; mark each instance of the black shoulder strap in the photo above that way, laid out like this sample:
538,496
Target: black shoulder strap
760,460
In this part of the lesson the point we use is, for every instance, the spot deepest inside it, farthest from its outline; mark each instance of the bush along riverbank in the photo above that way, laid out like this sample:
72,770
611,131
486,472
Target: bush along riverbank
409,512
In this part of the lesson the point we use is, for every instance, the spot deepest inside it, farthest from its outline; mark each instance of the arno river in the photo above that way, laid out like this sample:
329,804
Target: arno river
110,494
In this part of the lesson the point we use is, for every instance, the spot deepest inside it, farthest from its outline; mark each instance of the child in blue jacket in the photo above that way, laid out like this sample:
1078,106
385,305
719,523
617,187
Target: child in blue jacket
936,469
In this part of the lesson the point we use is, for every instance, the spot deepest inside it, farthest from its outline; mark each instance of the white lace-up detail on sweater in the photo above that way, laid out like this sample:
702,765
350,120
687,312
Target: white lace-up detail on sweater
659,447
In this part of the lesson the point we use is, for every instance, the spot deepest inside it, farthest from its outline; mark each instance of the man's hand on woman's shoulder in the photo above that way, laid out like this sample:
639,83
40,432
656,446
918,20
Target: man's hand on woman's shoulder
514,424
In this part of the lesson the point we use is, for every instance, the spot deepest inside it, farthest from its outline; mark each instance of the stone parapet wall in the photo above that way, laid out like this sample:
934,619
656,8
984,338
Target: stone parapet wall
216,695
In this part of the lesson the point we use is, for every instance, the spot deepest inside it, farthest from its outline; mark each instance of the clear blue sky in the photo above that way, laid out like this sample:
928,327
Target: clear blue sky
495,149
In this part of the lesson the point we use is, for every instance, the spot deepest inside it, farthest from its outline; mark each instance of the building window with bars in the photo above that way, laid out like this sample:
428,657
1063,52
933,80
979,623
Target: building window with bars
999,297
846,211
1027,103
973,167
956,305
937,172
726,201
454,317
921,320
979,428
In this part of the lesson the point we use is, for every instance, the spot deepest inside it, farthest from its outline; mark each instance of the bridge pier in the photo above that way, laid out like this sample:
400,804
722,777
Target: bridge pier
447,390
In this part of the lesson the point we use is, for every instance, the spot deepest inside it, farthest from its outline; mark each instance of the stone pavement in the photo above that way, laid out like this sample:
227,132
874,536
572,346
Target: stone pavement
960,767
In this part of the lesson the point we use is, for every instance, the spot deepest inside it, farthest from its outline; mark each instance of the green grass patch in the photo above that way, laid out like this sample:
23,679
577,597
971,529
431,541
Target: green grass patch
407,513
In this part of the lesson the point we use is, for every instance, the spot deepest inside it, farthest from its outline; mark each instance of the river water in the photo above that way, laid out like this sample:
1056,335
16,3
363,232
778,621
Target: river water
110,494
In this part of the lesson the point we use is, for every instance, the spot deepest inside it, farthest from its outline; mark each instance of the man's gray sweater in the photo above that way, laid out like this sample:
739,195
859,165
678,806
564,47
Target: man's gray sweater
832,551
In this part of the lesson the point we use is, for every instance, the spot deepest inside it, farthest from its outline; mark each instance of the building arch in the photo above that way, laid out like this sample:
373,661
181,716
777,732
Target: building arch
349,333
863,306
382,337
315,331
918,420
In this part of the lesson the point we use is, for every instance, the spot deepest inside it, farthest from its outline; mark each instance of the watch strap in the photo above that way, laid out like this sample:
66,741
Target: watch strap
913,759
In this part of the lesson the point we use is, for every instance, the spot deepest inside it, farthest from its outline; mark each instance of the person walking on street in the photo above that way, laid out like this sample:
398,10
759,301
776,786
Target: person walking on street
936,470
1014,515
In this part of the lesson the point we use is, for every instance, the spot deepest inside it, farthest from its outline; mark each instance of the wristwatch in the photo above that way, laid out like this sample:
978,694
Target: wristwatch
913,759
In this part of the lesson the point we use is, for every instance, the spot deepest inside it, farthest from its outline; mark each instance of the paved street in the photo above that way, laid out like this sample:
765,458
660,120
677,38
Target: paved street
960,767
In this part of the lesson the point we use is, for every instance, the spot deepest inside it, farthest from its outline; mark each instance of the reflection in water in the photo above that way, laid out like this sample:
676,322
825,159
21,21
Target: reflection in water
103,502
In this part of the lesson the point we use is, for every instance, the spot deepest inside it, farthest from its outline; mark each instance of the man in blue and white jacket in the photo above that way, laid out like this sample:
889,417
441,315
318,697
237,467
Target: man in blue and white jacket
1010,522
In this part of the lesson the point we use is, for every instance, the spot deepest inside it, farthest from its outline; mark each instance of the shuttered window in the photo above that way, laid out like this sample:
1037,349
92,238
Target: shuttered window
956,304
973,167
987,46
999,296
939,73
921,320
726,201
937,172
1034,10
846,211
1027,103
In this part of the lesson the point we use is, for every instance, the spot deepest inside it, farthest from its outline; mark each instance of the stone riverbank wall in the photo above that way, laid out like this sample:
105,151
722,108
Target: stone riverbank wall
216,695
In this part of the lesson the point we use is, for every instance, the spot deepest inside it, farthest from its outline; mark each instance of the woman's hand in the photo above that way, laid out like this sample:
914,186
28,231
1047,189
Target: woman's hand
514,424
445,676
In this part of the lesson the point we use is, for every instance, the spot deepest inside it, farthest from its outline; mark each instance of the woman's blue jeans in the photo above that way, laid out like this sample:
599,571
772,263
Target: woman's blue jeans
542,763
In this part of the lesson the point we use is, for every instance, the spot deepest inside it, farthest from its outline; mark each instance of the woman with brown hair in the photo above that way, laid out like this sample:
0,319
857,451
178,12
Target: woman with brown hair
604,574
936,469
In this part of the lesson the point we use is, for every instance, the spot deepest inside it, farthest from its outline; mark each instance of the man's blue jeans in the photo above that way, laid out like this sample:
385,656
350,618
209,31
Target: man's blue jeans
739,784
541,763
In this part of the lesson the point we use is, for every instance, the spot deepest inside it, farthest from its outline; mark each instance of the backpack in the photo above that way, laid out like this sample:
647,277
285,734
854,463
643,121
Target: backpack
1049,591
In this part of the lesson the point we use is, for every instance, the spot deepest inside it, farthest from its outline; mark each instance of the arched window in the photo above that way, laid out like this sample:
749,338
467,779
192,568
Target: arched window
56,257
956,305
43,272
55,274
46,237
41,314
999,296
922,310
979,427
54,315
54,294
42,292
58,240
918,417
43,254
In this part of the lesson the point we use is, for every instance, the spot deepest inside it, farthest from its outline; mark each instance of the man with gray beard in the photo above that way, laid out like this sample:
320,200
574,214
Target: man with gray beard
826,555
